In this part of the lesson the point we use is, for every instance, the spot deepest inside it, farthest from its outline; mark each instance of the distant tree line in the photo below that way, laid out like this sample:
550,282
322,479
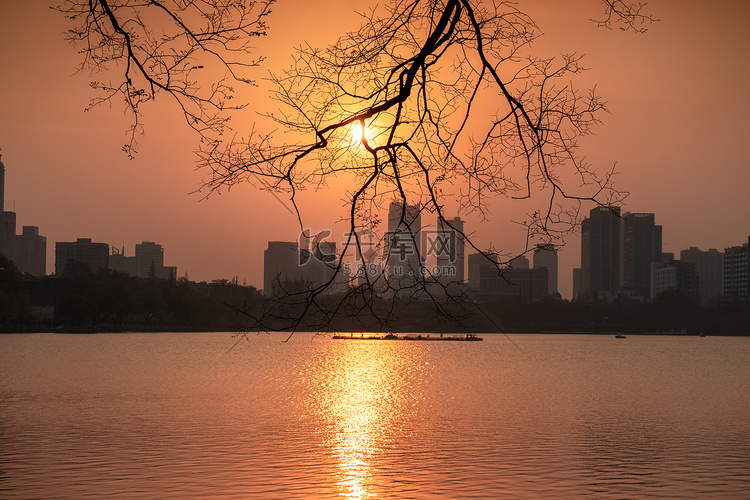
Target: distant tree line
79,300
670,312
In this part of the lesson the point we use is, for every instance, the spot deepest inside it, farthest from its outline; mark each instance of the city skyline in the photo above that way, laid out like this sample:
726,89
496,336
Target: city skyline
621,254
623,250
67,176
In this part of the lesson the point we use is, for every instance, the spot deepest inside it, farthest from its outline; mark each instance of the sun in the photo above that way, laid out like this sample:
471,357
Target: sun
359,135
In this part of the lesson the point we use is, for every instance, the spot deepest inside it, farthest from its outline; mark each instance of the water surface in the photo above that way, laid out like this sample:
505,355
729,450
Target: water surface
525,416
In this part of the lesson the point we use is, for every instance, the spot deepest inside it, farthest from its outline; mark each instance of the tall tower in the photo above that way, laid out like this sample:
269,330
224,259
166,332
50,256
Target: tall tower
641,249
7,220
601,253
737,273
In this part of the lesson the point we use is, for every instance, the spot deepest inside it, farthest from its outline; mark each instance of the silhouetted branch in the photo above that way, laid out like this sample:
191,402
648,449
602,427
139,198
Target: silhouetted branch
174,47
448,99
628,15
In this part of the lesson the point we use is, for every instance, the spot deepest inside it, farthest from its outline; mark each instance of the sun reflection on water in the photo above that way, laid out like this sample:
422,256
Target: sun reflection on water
363,403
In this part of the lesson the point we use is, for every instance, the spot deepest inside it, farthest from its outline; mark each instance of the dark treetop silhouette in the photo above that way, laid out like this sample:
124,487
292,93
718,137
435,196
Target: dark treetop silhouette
414,85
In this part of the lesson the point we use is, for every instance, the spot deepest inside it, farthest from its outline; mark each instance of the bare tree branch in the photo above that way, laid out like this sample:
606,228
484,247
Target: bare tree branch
167,47
630,16
447,97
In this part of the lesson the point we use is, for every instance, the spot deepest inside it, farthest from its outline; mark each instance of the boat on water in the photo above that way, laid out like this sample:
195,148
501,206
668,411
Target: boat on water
392,336
620,336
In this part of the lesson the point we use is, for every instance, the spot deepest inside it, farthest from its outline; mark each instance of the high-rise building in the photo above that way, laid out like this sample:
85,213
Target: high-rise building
601,242
641,248
149,260
577,283
318,265
404,258
709,266
482,271
367,267
514,282
448,249
7,234
121,263
737,273
7,220
281,267
288,268
30,255
522,284
95,255
545,257
28,251
674,276
147,263
484,275
520,262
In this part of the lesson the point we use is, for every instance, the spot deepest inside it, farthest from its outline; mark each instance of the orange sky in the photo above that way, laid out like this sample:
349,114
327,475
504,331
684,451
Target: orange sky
677,130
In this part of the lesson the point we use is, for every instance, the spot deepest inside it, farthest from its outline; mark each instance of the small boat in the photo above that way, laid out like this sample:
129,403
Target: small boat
620,336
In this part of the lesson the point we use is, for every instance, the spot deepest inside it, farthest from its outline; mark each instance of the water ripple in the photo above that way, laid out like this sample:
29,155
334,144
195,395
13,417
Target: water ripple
173,416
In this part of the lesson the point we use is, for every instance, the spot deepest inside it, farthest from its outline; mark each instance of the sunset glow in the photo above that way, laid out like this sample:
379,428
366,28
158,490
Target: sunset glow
51,148
360,135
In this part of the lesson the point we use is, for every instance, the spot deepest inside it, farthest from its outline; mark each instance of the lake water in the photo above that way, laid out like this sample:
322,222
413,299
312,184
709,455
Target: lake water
524,416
